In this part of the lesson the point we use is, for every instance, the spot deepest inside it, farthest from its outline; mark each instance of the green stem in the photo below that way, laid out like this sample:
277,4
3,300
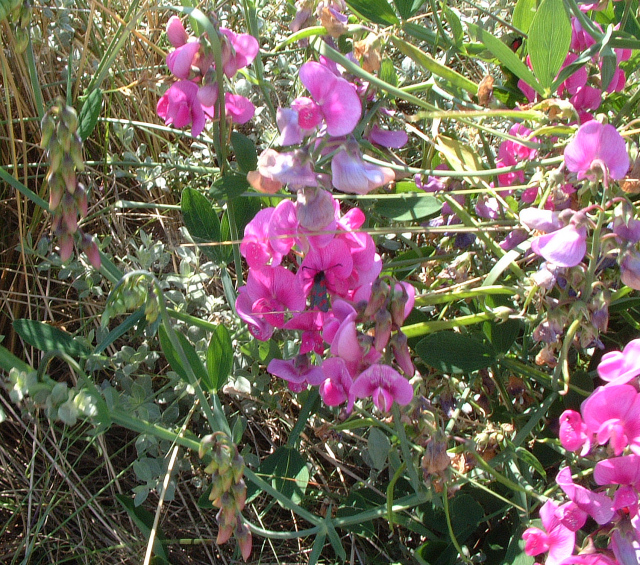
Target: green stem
404,446
452,535
423,328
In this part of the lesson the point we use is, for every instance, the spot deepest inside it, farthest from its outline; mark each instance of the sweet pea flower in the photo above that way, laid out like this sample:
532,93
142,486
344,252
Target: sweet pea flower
268,294
176,33
573,432
385,385
182,58
335,264
336,388
353,175
240,109
337,100
298,372
619,367
564,247
597,505
613,414
256,244
630,269
623,470
597,149
556,538
387,138
179,106
238,51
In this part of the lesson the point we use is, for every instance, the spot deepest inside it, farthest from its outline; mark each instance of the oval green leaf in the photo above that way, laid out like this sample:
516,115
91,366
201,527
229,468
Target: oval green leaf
451,352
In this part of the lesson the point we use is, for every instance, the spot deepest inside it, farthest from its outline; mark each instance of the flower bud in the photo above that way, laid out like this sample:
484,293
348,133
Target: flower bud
383,329
82,204
237,467
242,534
379,294
402,354
69,118
93,255
239,492
398,301
65,243
48,129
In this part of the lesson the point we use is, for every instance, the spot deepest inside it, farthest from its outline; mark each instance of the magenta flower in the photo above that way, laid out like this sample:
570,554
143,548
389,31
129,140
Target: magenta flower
290,130
630,269
336,98
388,138
182,58
256,244
336,388
596,149
240,109
298,372
565,247
179,106
269,293
556,538
613,414
385,385
176,33
619,367
597,505
623,470
333,262
573,432
238,51
353,175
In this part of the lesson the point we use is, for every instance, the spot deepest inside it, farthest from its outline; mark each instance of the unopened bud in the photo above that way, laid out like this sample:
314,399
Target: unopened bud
239,491
69,118
65,241
237,467
398,302
402,354
383,329
81,200
242,534
379,294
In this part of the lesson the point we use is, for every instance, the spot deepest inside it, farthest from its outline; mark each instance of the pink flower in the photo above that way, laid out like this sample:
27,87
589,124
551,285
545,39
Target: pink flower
352,175
387,138
336,388
619,367
298,372
179,106
333,261
385,385
182,58
573,432
269,293
613,414
630,269
238,51
176,33
558,540
565,247
256,246
240,109
336,98
597,505
595,149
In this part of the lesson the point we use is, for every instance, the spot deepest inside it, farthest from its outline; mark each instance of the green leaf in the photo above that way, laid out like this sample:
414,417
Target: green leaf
378,447
89,114
507,57
245,150
388,72
531,460
407,207
407,8
9,361
144,520
359,501
429,63
287,472
524,13
177,363
549,40
454,23
502,334
219,358
229,187
47,338
376,11
451,352
202,222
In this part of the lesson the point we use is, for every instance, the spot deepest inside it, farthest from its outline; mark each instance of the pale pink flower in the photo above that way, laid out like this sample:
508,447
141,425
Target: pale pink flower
619,367
565,247
353,175
176,33
387,138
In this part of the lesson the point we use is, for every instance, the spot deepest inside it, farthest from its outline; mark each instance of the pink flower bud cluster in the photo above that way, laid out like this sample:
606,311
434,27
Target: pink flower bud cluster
319,125
311,270
228,489
67,196
610,416
192,99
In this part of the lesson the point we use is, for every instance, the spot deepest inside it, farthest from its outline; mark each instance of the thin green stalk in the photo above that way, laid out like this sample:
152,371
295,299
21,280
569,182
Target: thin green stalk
452,535
404,446
423,328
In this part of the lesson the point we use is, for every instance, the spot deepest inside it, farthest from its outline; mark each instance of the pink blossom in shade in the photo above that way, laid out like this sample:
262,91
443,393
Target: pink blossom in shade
290,131
367,264
527,90
298,372
613,414
625,542
597,505
239,51
619,367
334,260
597,148
315,211
179,106
385,385
353,175
630,269
513,239
182,59
256,246
310,322
507,159
586,98
269,293
589,559
487,207
345,342
519,150
240,109
573,432
576,80
336,98
208,94
623,470
340,311
176,33
336,388
557,539
565,247
387,138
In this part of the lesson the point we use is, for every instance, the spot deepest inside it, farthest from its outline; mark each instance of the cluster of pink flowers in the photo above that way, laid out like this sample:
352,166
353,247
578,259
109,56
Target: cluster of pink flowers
322,125
192,99
312,271
583,88
611,415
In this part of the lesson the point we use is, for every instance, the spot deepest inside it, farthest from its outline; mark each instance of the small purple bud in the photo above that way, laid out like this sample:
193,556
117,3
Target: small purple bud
383,329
